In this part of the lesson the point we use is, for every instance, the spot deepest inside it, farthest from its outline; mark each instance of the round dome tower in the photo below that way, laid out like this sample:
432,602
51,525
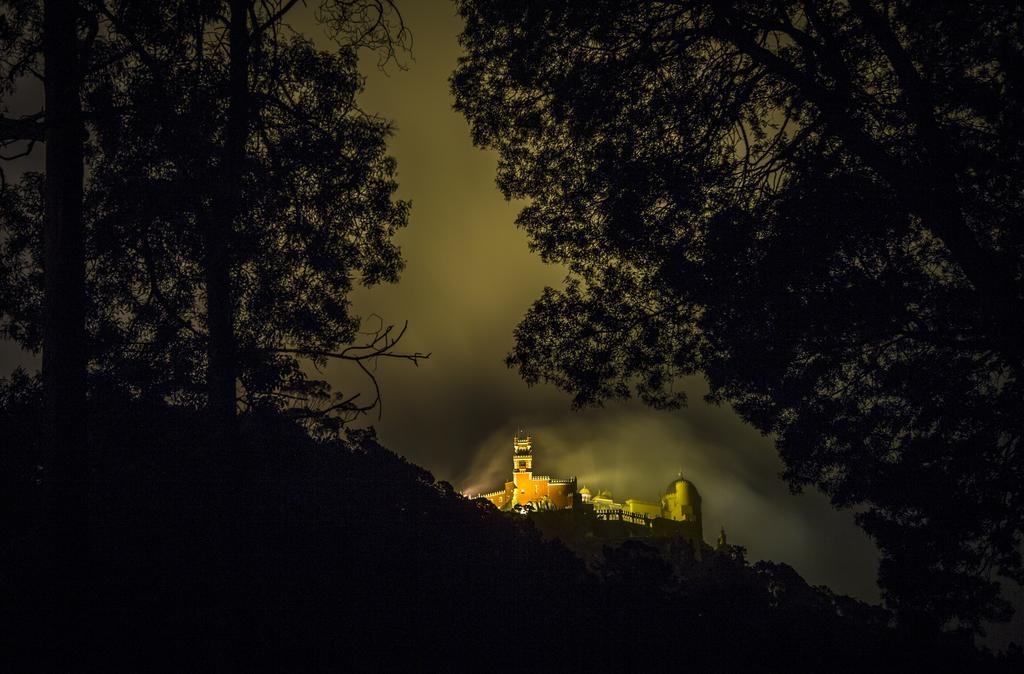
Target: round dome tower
681,501
684,490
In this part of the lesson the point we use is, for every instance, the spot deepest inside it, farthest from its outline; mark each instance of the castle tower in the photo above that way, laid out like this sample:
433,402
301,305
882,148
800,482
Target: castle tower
522,469
538,492
681,502
522,454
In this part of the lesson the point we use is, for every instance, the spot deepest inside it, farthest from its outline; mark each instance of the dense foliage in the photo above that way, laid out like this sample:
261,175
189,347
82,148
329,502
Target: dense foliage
317,212
815,204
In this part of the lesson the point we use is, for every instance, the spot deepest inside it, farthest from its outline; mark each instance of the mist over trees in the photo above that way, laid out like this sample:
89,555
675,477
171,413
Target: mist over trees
816,205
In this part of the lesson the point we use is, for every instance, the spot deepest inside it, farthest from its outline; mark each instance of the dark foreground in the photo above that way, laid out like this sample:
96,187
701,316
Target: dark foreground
330,554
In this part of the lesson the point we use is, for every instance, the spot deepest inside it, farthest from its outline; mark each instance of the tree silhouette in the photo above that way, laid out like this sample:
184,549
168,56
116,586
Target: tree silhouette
814,204
48,36
313,214
64,360
220,226
235,194
64,348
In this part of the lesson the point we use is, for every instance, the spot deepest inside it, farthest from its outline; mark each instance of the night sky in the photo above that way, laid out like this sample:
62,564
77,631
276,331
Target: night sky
470,278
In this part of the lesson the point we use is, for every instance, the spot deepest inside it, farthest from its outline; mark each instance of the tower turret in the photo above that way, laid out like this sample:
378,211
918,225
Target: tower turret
681,502
522,454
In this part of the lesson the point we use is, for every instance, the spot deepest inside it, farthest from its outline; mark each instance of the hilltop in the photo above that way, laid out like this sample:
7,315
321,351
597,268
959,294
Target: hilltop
334,552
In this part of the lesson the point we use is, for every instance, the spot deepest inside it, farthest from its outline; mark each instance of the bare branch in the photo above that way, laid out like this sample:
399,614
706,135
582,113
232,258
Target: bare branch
379,347
273,19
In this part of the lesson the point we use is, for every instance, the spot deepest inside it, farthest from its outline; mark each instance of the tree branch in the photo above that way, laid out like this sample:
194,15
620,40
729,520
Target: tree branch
28,128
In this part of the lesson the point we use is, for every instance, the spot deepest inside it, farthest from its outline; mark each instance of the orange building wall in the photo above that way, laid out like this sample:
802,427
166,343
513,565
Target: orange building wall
533,490
530,489
561,495
500,499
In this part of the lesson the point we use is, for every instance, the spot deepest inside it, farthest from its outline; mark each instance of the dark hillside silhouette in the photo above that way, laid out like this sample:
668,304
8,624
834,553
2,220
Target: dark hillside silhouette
817,206
359,558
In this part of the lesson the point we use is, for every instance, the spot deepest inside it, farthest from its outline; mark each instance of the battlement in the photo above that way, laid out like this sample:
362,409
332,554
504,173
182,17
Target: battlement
522,445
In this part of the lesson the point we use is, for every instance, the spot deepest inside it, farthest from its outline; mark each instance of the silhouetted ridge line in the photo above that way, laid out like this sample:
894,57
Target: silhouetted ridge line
359,557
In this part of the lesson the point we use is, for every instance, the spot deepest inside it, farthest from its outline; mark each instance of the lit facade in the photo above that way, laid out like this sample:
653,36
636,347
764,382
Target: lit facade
677,510
537,492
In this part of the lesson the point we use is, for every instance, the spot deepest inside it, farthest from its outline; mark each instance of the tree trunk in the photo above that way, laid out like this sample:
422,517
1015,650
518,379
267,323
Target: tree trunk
232,550
221,369
64,348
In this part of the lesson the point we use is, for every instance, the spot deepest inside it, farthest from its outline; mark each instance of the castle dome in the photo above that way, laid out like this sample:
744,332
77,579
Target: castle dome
687,486
584,491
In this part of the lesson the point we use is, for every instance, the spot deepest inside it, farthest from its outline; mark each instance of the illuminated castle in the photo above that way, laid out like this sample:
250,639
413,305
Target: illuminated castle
526,490
676,512
679,503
